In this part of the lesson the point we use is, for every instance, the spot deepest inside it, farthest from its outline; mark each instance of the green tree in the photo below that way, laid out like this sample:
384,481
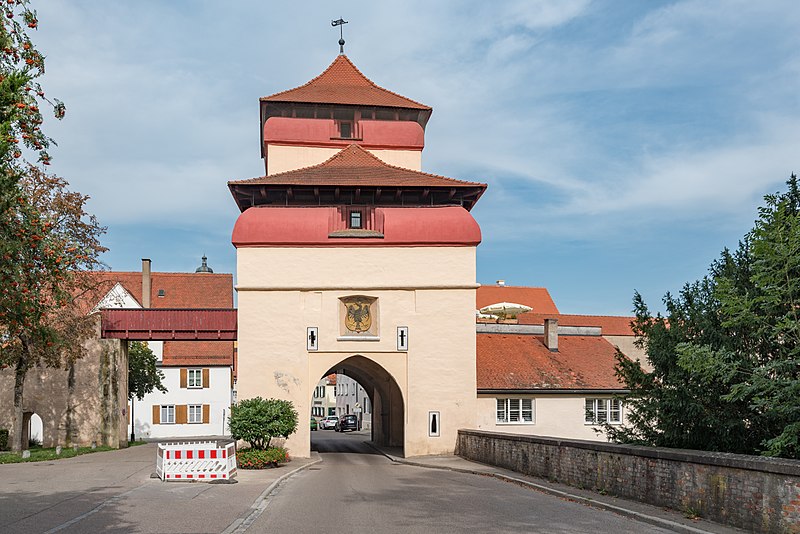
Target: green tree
43,285
144,376
259,420
726,367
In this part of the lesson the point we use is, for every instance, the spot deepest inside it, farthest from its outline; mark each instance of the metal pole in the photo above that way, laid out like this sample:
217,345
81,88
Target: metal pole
133,421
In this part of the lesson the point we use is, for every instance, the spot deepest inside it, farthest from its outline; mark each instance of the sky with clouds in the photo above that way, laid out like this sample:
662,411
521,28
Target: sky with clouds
625,143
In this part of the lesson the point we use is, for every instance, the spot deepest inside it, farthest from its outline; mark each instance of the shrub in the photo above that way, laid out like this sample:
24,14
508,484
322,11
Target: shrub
3,439
261,459
257,421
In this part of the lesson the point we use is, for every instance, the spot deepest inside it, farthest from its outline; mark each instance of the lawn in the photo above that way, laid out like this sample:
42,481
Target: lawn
39,454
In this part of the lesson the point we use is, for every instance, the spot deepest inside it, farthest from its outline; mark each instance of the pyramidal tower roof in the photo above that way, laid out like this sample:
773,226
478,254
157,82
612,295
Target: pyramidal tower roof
343,83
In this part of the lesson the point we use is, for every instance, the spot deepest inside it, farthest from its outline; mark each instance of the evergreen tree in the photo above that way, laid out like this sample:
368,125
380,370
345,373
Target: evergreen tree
726,365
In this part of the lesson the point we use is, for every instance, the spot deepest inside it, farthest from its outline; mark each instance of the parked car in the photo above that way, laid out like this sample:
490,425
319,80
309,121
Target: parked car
346,422
314,424
328,423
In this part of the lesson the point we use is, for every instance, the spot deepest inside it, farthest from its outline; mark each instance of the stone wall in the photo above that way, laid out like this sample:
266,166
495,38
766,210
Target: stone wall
750,492
79,405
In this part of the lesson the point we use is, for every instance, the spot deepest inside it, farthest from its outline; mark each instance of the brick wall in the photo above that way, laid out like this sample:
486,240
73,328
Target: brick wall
751,492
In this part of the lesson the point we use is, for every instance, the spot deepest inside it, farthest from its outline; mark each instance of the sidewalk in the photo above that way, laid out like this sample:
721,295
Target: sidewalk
645,513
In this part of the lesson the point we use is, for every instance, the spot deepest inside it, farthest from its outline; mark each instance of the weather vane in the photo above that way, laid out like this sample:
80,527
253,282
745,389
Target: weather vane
339,23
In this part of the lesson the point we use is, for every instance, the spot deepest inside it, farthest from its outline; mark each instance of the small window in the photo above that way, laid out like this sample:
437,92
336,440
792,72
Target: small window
514,411
346,130
168,414
195,413
355,219
195,378
599,411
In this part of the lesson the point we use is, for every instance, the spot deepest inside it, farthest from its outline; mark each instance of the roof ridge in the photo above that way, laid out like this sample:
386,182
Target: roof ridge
339,58
353,147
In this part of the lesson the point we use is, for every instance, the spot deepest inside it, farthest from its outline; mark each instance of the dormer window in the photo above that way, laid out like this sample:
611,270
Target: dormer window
355,219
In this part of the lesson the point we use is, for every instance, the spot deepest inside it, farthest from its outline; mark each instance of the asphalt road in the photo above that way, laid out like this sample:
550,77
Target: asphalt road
355,490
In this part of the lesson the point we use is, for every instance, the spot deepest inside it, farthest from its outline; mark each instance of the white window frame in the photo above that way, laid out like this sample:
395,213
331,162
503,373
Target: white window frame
515,411
599,411
167,414
194,378
195,410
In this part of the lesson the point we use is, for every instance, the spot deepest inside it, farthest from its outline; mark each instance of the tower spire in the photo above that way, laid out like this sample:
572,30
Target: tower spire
339,23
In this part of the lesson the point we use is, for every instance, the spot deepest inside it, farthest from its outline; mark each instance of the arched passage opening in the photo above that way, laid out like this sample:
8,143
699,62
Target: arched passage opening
385,398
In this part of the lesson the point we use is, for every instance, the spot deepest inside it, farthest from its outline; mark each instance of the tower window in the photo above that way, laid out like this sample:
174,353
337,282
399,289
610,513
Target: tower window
355,219
346,130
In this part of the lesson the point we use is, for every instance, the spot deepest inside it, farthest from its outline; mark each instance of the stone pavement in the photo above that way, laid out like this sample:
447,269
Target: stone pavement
664,518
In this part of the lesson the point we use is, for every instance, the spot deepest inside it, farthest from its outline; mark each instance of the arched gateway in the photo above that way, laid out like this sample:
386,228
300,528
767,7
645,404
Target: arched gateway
350,259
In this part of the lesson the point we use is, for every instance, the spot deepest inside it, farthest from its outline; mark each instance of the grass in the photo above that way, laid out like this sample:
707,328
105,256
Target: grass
45,455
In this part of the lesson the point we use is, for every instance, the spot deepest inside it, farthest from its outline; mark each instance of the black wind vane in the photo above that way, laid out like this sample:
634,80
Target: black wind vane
340,23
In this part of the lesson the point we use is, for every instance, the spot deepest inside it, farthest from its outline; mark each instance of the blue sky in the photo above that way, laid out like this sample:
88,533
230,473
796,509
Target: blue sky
625,143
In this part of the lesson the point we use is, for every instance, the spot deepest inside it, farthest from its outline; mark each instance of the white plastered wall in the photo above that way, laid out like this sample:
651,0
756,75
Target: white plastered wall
281,158
431,290
557,415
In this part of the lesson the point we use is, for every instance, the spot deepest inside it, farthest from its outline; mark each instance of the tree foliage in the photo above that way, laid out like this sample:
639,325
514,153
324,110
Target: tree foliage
259,420
144,376
726,357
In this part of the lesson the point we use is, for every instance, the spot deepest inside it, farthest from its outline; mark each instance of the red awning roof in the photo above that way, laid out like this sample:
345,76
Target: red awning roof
343,83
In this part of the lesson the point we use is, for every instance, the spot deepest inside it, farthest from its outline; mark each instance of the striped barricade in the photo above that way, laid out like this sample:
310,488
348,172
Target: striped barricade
196,460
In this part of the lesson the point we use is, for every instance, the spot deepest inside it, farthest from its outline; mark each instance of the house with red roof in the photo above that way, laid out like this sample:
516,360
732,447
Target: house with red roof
198,375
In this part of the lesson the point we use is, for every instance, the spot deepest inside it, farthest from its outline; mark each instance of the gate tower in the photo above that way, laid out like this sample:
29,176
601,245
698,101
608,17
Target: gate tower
350,259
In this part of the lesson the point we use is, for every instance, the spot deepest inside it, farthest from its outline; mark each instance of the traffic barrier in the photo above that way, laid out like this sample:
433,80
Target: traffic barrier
196,460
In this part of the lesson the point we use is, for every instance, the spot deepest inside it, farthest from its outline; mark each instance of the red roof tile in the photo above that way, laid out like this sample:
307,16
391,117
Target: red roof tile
519,362
355,166
537,298
343,83
610,325
183,353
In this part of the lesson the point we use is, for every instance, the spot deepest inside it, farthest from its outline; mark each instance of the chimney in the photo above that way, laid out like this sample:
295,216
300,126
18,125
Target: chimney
551,334
146,282
501,283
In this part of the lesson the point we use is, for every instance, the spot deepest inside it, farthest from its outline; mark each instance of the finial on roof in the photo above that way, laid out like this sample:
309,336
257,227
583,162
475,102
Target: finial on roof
339,23
204,268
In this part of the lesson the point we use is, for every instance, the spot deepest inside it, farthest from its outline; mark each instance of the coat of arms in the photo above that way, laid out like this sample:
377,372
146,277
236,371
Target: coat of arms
358,318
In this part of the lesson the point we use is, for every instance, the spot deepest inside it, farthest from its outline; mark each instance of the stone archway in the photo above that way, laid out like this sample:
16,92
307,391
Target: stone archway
388,407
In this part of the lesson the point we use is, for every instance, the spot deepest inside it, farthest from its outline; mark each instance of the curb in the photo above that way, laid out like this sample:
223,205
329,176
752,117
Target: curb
260,504
644,518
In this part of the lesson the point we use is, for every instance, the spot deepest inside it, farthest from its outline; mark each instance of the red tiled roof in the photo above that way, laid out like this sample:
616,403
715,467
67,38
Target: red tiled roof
181,290
520,362
610,325
343,83
537,298
182,353
355,166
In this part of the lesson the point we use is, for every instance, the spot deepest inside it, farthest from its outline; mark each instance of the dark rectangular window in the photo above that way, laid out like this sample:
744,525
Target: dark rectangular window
355,219
346,130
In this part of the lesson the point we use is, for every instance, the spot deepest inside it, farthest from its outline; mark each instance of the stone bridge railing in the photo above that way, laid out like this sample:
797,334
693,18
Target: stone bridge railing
751,492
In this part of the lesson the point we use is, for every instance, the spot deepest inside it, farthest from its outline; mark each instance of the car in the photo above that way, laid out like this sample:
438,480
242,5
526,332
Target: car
328,422
314,424
347,422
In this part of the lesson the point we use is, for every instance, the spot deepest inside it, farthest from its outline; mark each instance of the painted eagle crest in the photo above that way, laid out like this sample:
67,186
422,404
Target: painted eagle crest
358,317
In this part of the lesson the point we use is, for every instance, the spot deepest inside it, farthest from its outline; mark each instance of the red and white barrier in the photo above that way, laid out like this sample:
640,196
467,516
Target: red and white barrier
196,460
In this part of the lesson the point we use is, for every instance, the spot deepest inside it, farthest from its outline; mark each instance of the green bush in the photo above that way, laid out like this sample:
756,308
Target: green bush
261,459
257,421
3,439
